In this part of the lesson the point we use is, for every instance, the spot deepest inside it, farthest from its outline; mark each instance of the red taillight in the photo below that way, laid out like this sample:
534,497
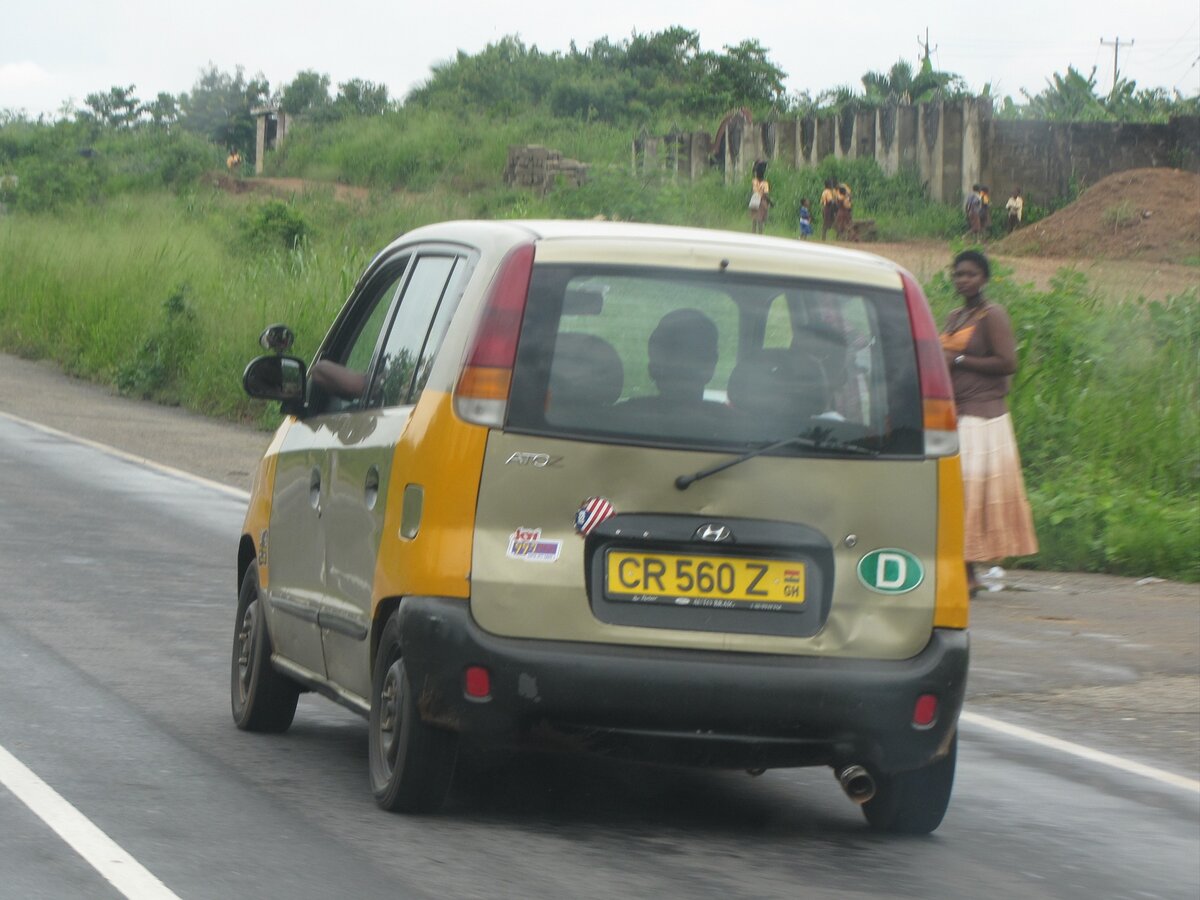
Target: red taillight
937,393
925,711
482,390
477,682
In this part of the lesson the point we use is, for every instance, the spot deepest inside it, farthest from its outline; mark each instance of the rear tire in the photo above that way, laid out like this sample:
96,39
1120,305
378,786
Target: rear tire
913,802
262,698
411,763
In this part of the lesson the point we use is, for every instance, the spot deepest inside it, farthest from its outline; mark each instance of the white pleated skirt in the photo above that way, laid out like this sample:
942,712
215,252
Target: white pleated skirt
998,521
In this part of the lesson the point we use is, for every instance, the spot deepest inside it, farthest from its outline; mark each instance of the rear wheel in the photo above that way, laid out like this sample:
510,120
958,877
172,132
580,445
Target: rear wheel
913,802
262,698
411,763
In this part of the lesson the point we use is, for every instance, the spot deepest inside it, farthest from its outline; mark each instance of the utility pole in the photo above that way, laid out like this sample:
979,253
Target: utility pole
925,47
1116,45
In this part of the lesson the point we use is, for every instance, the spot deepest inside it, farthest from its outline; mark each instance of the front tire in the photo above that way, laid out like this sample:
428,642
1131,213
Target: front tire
262,698
913,802
411,763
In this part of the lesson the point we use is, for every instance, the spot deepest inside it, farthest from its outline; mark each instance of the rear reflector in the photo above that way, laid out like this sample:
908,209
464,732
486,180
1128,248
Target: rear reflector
481,395
477,682
937,393
925,711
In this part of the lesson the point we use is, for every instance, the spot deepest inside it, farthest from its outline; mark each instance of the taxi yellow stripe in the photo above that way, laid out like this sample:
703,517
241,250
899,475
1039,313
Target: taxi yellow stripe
439,458
951,604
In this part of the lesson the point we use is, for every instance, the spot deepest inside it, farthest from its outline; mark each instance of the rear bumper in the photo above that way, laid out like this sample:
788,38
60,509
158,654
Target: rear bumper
699,707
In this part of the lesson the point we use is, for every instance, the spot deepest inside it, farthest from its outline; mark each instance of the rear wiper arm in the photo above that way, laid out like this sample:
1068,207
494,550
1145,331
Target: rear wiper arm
817,438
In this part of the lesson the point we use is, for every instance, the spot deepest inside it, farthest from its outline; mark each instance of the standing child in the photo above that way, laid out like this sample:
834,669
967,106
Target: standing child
974,212
985,211
1016,208
806,226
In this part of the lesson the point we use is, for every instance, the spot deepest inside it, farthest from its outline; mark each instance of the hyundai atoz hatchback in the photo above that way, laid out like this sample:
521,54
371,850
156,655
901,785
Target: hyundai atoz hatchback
669,493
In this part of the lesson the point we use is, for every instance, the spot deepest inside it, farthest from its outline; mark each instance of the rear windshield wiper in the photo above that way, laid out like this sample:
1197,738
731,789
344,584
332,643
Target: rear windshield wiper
817,438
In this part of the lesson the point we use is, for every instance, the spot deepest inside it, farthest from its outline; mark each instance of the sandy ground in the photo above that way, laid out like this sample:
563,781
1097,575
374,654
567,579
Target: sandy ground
1113,279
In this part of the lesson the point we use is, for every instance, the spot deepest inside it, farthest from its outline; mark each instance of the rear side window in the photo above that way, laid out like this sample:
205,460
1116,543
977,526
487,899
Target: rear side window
689,360
426,305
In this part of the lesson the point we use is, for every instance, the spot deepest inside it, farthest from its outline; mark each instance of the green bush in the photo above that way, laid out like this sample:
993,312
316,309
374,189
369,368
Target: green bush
160,364
274,224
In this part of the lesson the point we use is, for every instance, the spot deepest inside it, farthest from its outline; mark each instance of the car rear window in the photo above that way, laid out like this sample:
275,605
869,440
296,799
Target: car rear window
711,360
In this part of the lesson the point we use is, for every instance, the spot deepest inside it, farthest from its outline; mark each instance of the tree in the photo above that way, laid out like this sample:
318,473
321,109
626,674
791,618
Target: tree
1073,98
900,85
163,110
1070,97
307,93
219,106
119,108
741,76
361,98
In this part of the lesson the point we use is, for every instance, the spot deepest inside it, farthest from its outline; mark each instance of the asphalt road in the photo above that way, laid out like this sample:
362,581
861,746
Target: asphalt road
116,615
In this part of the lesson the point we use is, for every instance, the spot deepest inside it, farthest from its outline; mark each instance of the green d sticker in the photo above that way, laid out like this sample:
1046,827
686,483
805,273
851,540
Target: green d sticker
890,571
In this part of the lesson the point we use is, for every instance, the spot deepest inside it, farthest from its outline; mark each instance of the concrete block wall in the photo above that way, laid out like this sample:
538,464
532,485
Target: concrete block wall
540,168
951,145
1045,159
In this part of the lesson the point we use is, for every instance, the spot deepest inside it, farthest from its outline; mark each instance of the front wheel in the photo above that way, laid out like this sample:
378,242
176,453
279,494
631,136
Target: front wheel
262,698
913,802
411,763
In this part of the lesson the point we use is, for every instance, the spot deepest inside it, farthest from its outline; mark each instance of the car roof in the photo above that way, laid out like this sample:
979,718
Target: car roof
562,239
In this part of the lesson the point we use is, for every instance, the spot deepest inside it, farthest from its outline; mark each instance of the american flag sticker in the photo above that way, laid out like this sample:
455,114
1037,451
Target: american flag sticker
593,511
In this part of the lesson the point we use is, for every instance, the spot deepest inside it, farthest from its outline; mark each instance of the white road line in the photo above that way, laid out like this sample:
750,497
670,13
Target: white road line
130,457
120,869
1069,747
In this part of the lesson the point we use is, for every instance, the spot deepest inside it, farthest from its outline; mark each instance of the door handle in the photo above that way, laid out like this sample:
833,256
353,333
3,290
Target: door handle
371,487
314,489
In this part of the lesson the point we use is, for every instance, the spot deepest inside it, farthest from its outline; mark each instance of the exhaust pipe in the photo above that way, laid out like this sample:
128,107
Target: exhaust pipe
857,782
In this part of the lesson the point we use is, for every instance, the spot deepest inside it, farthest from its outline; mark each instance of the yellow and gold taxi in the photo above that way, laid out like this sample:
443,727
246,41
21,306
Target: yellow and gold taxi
670,493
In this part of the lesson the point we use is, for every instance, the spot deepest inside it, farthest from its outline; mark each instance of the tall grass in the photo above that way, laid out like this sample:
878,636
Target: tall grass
163,296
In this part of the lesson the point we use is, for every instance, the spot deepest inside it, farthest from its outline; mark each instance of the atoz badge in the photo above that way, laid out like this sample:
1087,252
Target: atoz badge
593,511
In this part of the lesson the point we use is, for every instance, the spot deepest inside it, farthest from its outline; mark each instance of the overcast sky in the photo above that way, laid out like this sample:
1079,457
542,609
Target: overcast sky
52,51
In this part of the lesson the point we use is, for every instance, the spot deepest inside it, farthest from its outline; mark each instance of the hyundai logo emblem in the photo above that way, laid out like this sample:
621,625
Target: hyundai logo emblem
713,533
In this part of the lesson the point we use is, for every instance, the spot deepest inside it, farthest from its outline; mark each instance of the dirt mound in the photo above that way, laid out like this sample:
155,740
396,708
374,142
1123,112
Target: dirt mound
1145,214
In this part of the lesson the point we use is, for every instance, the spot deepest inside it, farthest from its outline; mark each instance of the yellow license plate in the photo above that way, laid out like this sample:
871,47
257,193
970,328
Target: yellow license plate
713,581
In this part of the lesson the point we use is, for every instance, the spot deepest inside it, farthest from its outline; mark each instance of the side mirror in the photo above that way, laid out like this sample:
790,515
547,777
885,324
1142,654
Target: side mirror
277,339
281,378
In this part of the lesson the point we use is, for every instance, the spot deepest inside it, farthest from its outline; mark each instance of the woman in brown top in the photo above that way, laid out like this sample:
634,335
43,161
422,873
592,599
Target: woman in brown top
981,351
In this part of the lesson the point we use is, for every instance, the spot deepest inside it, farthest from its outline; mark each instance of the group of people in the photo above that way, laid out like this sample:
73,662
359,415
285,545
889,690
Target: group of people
978,210
837,206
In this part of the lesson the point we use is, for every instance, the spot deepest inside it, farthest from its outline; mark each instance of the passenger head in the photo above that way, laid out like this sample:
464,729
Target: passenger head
683,354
